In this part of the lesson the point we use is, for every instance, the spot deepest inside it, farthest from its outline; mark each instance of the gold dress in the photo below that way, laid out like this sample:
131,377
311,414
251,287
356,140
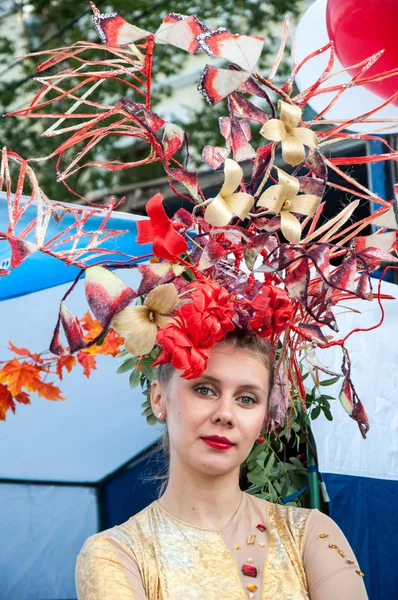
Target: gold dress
266,552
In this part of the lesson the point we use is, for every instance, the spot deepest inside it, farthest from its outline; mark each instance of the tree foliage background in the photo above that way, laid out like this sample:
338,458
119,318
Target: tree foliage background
50,24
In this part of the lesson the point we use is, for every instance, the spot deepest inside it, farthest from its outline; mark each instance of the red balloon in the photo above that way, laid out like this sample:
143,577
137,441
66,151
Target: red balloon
360,28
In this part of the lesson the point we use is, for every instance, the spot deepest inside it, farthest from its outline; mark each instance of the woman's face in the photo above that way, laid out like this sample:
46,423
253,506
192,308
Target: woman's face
228,401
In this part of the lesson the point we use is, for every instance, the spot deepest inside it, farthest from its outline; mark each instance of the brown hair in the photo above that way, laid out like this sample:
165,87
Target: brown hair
237,339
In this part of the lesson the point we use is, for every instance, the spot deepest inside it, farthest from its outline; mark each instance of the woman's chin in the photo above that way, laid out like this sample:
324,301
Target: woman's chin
216,466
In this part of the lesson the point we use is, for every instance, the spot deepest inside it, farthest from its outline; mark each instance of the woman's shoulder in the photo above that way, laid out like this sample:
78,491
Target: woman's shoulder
280,511
280,516
126,537
303,523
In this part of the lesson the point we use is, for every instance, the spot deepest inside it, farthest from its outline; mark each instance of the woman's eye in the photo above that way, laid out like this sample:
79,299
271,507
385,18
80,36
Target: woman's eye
248,400
204,391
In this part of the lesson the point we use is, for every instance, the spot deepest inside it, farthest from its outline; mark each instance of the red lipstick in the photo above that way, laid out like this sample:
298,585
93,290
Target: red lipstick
217,442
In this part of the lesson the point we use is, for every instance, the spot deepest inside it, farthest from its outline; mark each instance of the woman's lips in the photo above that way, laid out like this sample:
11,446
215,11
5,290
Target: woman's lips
218,445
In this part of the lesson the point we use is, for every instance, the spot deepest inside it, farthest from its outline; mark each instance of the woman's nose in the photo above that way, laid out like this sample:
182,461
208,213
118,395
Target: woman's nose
223,412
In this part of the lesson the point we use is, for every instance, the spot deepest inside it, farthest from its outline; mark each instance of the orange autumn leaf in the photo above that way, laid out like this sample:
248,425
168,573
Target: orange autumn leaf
22,398
91,326
18,375
87,361
65,362
6,402
48,391
112,342
19,351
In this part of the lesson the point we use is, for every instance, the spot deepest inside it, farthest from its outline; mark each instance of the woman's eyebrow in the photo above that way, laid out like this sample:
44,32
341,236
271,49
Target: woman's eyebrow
209,378
252,386
243,386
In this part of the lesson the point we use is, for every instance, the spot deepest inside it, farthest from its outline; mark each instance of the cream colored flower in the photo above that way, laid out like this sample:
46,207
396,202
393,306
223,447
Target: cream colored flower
227,203
282,199
140,323
285,130
162,268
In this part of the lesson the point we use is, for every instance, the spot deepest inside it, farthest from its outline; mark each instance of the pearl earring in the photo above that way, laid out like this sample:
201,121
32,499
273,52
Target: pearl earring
160,416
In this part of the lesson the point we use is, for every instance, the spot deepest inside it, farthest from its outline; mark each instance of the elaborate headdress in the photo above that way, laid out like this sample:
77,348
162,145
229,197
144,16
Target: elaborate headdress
256,257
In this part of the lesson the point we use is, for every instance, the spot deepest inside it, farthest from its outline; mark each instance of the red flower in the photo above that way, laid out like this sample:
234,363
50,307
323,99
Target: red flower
208,315
161,231
200,323
273,311
179,350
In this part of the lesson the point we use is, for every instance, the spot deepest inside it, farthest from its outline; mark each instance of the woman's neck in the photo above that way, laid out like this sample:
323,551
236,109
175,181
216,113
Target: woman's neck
207,501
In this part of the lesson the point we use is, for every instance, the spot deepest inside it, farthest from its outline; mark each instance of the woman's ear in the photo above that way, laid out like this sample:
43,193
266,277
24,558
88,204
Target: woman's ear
158,400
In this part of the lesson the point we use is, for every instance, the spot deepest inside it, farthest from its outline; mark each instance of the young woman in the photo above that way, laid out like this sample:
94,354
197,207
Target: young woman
204,538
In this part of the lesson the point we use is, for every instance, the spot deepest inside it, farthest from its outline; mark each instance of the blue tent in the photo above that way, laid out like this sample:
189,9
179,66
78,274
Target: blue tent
72,468
41,271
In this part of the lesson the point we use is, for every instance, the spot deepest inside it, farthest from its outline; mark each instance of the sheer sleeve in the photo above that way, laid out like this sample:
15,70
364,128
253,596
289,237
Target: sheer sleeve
105,570
331,568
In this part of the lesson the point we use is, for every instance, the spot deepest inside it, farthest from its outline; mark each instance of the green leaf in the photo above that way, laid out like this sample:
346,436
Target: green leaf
127,365
299,480
101,340
261,458
327,414
315,412
134,379
147,369
270,464
323,402
296,462
151,419
285,487
330,381
258,448
256,479
147,412
273,493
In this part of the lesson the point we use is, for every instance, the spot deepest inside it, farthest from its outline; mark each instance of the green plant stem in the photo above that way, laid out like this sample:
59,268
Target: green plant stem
313,481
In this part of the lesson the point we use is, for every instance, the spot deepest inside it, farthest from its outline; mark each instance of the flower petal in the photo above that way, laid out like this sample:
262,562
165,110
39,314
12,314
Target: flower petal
160,268
125,321
290,184
290,227
292,150
233,174
273,130
106,293
162,299
305,204
143,338
218,212
177,269
290,114
156,212
240,203
162,321
273,198
306,136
